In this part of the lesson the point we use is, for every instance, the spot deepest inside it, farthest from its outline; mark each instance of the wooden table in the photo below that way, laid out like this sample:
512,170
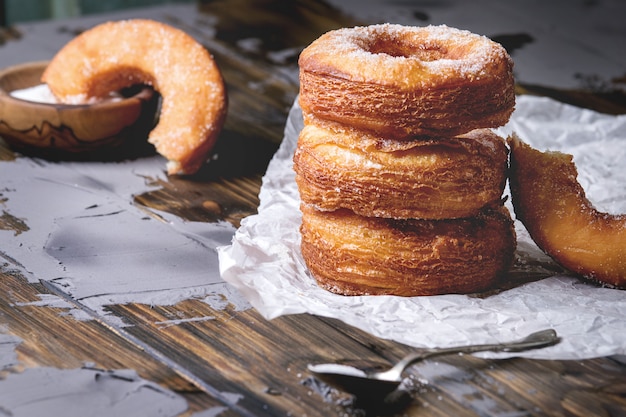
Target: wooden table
238,363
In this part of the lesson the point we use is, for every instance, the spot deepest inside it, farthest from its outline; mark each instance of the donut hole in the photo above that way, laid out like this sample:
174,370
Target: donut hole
429,52
423,51
118,79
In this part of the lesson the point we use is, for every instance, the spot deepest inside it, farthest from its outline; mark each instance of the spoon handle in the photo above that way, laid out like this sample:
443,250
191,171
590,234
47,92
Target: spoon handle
536,340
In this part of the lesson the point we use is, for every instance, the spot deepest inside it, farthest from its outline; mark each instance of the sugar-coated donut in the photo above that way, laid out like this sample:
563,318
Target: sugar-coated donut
338,167
353,255
404,81
552,205
119,54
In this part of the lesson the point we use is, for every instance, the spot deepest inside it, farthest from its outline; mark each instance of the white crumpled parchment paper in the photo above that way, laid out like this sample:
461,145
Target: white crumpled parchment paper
264,261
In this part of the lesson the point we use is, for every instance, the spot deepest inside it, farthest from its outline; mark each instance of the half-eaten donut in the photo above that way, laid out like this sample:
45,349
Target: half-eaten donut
115,55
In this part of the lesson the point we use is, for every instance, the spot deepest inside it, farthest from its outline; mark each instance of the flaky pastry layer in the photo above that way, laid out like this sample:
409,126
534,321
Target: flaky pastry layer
353,255
338,167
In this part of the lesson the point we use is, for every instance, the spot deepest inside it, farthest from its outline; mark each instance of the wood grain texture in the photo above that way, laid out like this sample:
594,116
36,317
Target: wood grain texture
52,337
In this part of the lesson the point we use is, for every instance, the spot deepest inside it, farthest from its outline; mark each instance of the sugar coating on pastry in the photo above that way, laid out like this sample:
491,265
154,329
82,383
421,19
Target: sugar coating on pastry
402,81
120,54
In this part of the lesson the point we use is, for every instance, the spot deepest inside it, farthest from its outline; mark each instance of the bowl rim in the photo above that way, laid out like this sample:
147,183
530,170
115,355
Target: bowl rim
145,93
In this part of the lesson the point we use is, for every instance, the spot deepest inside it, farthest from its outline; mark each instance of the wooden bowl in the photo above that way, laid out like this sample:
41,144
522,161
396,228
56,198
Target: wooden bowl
61,129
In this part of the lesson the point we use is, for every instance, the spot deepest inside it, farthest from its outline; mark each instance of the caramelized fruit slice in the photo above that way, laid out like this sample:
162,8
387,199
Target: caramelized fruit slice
552,205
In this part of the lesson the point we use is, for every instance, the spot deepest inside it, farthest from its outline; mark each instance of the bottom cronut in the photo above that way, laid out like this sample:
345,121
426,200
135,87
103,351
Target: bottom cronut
353,255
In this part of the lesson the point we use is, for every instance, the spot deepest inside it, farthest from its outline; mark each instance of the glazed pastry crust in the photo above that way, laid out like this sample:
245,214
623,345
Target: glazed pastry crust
338,167
403,81
552,205
353,255
120,54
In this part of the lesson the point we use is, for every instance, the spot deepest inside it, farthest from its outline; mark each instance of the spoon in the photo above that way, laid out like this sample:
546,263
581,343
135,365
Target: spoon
380,383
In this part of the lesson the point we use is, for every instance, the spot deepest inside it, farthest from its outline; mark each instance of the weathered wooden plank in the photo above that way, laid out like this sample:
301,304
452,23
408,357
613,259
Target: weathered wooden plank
264,362
264,359
54,338
221,199
267,361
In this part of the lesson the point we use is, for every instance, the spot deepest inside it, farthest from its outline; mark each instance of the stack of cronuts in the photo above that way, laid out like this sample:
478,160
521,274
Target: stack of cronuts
400,175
